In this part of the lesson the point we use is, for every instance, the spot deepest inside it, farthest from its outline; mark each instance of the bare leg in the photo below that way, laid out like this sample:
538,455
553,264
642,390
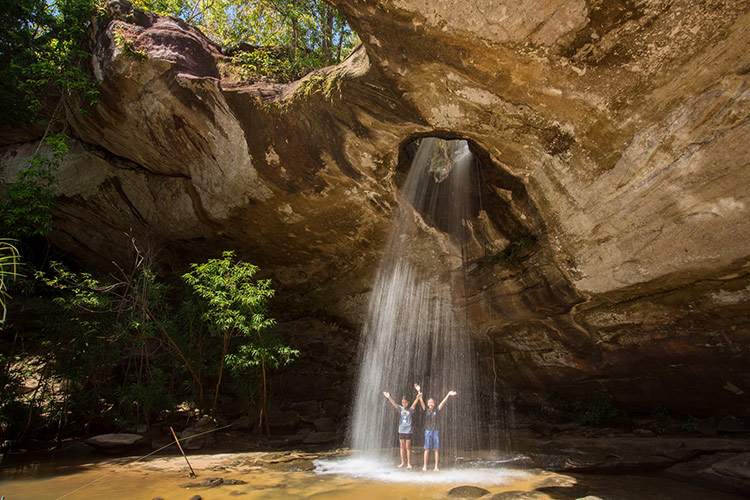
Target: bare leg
402,450
408,453
437,456
426,459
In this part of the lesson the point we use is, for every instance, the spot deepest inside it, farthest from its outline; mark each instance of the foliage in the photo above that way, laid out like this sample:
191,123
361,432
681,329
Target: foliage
558,403
42,58
690,425
127,348
43,70
513,252
236,303
108,325
128,47
26,211
12,409
8,270
441,162
601,411
237,308
661,419
268,63
280,39
318,84
597,411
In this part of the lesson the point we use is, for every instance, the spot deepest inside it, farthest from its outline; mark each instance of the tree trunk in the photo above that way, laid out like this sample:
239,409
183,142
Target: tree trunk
177,349
327,45
265,397
32,403
224,349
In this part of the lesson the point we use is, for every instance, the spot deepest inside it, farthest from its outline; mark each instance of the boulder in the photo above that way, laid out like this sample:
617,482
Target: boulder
725,471
294,439
284,422
243,424
519,495
214,482
623,453
325,424
205,424
333,408
644,433
707,426
320,438
733,425
194,439
306,408
467,492
736,467
117,443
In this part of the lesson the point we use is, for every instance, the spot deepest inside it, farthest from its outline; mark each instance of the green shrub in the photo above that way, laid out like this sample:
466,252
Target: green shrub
128,47
601,411
661,419
514,251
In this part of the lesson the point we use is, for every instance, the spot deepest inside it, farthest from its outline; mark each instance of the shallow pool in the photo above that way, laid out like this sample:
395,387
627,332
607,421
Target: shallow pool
239,475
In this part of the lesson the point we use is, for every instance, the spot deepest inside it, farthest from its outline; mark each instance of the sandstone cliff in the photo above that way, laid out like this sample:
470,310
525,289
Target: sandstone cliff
613,132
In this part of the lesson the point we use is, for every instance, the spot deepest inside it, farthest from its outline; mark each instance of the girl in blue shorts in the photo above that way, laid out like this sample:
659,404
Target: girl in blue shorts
431,432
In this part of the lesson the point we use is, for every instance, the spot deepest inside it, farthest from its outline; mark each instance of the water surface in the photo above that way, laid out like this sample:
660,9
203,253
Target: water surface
331,479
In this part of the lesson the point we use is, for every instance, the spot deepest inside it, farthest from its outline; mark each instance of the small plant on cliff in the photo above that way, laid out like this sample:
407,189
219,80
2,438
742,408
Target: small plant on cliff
329,86
514,251
128,47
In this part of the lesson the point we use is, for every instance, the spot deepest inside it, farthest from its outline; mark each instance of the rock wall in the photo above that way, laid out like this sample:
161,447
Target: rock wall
614,132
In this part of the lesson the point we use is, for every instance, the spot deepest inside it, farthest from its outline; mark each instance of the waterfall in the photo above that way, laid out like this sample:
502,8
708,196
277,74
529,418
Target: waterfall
414,332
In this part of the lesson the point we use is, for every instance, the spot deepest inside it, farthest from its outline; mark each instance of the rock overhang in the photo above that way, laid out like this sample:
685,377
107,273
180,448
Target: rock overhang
615,134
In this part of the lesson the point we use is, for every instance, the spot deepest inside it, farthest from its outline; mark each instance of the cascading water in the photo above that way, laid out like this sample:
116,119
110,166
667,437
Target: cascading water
414,332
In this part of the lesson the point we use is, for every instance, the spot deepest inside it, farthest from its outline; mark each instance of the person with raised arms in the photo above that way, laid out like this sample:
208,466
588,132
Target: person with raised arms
404,426
431,432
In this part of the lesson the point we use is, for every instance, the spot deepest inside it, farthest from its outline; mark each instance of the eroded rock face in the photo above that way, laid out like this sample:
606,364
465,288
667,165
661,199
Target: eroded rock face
614,132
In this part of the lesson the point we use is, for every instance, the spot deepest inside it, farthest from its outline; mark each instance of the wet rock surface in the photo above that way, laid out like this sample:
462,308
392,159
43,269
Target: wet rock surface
467,492
215,482
716,463
723,471
519,495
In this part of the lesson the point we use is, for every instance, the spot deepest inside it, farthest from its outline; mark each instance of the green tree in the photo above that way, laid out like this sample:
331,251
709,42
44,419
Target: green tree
283,39
43,58
114,339
236,308
27,207
44,73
